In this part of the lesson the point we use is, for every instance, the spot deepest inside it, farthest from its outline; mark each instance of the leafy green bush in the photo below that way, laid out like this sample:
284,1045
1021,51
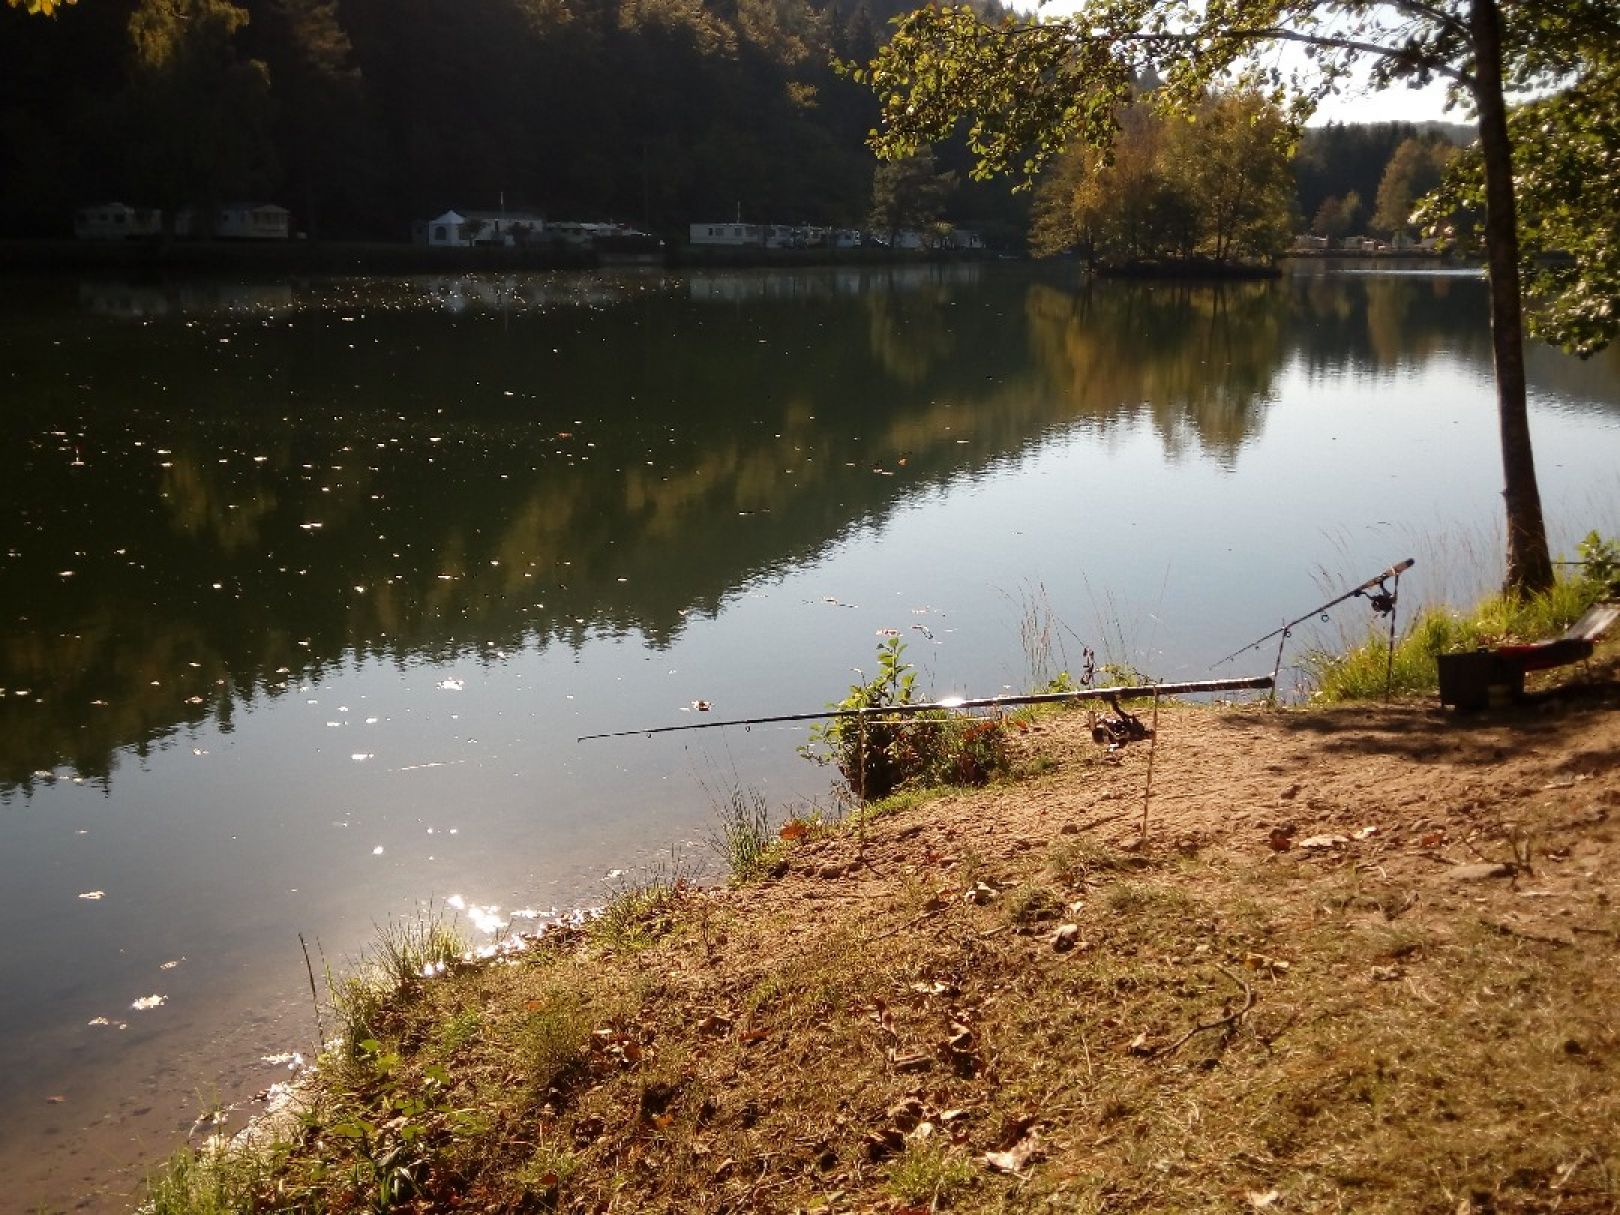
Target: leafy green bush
1600,563
877,755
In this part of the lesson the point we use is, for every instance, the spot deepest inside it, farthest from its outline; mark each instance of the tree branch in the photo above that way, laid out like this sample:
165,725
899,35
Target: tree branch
1434,13
1268,34
1330,42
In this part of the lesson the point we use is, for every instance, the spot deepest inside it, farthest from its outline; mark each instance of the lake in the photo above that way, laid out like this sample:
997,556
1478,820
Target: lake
308,588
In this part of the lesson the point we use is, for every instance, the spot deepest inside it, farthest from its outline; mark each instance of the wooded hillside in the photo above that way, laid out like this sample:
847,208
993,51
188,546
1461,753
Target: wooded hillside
363,115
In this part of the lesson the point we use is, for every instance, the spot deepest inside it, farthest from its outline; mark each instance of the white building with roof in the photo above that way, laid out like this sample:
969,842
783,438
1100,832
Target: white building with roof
252,221
116,221
465,229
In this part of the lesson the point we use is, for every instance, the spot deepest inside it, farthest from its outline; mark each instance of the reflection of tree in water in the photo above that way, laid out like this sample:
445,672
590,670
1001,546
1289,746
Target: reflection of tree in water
267,509
1371,322
199,509
909,333
1594,381
1379,323
1197,360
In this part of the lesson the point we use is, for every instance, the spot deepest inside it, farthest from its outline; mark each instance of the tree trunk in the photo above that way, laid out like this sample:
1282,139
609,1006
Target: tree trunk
1529,565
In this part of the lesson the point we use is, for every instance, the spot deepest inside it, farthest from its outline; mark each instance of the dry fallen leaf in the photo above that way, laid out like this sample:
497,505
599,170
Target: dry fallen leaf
794,829
1014,1158
880,1014
1262,1202
1319,842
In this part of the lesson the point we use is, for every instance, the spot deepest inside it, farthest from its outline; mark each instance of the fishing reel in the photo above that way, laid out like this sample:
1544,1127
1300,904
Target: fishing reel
1119,730
1381,600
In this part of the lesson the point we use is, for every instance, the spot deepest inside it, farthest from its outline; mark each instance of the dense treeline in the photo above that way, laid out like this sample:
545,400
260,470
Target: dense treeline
363,115
1231,183
1340,170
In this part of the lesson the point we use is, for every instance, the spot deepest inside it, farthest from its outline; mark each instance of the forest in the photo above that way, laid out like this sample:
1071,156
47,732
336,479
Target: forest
363,116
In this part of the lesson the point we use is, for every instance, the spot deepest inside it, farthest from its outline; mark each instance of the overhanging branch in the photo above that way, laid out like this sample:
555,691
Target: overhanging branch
1405,55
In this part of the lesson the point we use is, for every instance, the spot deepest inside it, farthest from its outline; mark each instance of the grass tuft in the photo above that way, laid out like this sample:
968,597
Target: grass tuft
402,955
927,1173
214,1180
556,1034
743,838
642,909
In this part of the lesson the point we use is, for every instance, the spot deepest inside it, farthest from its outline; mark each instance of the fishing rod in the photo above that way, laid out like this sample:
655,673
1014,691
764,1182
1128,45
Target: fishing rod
1382,598
1129,691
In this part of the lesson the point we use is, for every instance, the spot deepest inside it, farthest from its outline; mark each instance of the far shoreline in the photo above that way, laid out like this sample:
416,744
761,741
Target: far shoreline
50,256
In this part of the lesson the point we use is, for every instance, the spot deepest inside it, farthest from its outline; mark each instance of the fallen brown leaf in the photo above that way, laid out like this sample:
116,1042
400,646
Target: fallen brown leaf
1015,1158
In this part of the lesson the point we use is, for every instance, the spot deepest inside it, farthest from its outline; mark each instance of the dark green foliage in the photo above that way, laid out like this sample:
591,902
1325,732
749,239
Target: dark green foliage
909,193
1337,160
382,112
198,114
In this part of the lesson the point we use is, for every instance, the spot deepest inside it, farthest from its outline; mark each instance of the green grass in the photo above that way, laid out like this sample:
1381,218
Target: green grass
555,1036
404,952
641,910
743,838
1359,673
928,1174
207,1182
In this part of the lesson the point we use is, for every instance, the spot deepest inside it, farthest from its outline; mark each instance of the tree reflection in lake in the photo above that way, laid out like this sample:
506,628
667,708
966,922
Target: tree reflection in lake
251,485
1196,359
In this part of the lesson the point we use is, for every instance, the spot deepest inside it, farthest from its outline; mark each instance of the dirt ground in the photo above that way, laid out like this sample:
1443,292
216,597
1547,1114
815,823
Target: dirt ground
1416,792
1363,959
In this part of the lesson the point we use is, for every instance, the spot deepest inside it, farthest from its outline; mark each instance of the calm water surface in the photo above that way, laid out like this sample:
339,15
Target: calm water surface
307,589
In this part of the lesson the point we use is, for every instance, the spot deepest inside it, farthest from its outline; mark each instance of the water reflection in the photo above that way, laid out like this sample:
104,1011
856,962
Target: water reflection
254,485
1198,361
131,301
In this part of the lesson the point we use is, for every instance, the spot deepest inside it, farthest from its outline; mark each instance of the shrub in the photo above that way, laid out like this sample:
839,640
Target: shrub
878,755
